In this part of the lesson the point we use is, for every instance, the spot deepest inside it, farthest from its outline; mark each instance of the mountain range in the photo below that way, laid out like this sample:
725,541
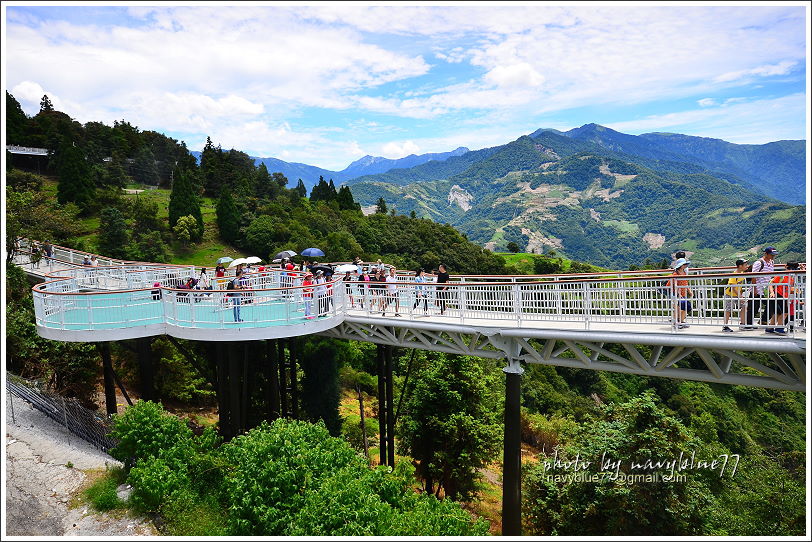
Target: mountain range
368,165
613,199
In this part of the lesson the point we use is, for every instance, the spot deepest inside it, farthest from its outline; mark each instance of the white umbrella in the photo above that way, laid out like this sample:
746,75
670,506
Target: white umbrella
253,259
237,262
346,268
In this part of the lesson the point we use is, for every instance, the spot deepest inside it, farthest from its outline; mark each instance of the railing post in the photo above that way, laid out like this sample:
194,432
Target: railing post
517,301
462,296
587,296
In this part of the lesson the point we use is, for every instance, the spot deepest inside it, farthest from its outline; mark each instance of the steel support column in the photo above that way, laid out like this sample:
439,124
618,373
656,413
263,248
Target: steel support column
390,414
109,378
145,369
512,470
381,403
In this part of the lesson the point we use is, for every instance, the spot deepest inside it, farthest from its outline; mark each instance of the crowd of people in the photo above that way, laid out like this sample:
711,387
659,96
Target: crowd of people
770,299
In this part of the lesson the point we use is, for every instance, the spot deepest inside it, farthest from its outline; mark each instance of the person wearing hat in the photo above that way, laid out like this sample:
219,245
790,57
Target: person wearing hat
307,295
758,301
321,292
682,291
734,298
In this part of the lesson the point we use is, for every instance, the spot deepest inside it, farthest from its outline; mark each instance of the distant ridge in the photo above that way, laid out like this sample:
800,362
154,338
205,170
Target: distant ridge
367,165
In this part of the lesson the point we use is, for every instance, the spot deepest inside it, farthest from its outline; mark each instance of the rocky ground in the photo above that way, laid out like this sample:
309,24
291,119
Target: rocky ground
40,485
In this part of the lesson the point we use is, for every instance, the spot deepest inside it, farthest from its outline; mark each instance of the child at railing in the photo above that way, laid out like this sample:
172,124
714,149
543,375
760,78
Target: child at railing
734,298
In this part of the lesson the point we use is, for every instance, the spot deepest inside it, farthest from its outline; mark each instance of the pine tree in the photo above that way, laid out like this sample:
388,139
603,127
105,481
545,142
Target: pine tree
145,170
115,174
228,217
113,237
184,201
301,189
345,199
381,207
75,181
16,122
45,104
211,165
332,194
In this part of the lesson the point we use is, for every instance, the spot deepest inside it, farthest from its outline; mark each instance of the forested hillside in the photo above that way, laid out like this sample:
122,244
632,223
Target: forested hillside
598,205
317,476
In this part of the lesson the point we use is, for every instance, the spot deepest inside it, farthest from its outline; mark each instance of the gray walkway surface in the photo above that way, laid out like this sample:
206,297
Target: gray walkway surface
39,485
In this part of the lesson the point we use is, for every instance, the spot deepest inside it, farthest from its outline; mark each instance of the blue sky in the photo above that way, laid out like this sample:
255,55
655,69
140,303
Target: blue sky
327,83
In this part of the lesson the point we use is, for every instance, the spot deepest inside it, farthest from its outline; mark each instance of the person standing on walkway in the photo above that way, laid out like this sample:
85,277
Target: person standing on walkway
682,292
48,249
420,291
734,298
442,291
234,288
321,292
94,262
307,295
780,289
391,292
765,264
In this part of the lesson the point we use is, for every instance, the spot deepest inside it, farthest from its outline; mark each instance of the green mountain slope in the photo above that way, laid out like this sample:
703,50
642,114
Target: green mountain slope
548,192
775,169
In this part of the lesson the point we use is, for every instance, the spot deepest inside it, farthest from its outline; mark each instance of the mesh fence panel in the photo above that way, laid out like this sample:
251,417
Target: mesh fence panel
82,422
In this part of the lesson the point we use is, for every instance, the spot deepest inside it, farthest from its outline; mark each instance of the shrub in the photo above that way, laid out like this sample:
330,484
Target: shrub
145,430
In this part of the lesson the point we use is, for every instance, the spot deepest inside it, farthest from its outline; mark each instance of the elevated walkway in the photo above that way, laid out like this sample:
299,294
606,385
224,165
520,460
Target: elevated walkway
569,320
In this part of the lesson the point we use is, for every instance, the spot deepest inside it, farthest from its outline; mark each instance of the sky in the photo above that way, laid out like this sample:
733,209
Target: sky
327,83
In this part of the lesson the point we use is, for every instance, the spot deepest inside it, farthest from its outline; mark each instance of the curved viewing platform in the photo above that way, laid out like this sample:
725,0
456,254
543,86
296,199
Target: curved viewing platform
120,300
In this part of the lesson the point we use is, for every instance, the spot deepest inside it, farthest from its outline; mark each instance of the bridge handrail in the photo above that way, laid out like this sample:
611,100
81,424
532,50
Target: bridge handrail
586,298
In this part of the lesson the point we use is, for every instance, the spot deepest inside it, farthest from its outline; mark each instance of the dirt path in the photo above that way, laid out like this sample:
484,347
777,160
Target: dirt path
39,484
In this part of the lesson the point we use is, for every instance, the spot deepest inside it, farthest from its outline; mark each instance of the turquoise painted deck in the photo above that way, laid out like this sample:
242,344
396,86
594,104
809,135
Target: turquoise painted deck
133,309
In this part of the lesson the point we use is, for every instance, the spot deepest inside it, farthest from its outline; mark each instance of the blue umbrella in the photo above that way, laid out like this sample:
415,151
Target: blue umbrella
225,259
312,253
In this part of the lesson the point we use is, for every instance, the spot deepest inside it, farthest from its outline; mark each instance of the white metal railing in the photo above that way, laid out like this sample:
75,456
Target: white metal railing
123,295
643,300
65,303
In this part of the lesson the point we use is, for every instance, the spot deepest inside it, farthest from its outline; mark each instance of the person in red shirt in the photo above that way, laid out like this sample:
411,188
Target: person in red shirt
780,289
307,295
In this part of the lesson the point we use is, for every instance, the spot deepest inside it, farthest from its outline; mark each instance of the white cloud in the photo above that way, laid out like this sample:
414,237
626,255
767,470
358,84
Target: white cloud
515,75
29,94
766,70
252,75
399,150
754,122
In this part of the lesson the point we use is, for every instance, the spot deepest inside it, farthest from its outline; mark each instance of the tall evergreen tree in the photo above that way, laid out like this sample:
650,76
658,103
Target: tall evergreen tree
228,217
16,122
115,174
144,168
345,199
75,180
184,201
381,206
301,189
113,236
45,104
333,195
211,166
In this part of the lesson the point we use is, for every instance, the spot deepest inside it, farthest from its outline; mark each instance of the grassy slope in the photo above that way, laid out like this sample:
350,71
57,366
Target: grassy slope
204,253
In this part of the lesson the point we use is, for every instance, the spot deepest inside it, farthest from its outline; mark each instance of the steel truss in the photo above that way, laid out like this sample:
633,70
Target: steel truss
722,361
